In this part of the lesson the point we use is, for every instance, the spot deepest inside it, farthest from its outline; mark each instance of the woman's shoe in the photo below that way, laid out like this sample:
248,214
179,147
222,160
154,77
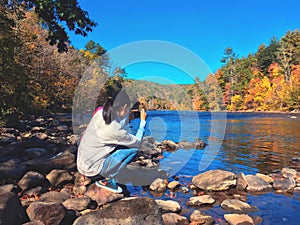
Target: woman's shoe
109,184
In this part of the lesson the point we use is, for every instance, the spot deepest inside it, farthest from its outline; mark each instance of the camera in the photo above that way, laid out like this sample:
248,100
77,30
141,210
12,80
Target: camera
136,109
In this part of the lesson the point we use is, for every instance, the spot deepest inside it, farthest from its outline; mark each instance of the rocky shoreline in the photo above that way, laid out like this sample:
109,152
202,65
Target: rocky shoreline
39,183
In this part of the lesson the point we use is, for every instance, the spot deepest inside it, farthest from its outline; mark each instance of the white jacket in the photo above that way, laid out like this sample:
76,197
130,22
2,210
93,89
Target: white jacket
100,139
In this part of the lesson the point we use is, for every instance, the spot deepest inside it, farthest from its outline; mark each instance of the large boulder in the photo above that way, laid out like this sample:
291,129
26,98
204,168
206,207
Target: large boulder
132,211
11,210
214,180
50,213
46,164
257,184
54,196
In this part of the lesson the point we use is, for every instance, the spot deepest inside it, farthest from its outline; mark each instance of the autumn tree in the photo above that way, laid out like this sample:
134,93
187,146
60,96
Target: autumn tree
53,14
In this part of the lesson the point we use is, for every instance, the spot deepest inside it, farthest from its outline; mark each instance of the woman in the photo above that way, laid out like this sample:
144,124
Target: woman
99,152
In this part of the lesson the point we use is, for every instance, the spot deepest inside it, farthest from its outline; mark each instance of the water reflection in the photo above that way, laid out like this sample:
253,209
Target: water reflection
265,144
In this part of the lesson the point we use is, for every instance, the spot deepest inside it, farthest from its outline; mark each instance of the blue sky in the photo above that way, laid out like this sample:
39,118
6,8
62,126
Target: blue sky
205,28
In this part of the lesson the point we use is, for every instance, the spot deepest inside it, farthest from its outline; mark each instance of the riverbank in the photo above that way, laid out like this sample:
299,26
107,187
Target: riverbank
40,184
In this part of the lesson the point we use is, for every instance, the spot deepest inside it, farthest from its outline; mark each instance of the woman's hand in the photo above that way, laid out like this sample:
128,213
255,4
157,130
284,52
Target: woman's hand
143,114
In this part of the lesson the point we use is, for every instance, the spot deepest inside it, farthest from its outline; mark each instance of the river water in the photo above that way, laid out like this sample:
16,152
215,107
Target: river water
237,142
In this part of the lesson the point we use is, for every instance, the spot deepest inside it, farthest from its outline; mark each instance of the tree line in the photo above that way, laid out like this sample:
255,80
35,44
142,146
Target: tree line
40,70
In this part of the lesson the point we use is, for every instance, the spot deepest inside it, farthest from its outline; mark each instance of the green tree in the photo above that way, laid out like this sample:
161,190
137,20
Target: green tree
267,55
53,14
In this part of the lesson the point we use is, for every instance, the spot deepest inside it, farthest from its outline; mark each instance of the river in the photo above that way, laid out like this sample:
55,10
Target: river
237,142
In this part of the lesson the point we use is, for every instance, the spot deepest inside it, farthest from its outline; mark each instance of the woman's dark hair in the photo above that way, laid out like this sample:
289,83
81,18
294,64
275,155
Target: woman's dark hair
114,104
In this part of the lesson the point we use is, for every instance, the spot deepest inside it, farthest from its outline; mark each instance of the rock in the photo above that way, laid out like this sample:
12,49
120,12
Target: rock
62,128
11,210
41,136
174,184
9,188
7,138
238,219
214,180
201,217
257,219
35,152
77,204
186,145
200,200
287,172
257,184
34,222
79,189
235,205
174,219
266,178
241,183
54,196
50,213
133,211
32,179
12,169
184,190
169,145
167,206
34,191
158,185
284,184
199,144
101,195
60,161
58,178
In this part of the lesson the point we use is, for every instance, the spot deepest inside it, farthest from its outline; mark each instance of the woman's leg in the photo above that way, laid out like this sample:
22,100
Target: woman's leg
117,160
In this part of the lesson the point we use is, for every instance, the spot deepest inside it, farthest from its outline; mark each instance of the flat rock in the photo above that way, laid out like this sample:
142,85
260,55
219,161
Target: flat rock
34,222
214,180
200,200
238,219
58,178
77,204
257,184
284,184
35,152
133,211
54,196
32,179
9,188
235,205
174,184
169,145
174,219
60,161
266,178
167,206
50,213
12,169
11,210
201,217
101,195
